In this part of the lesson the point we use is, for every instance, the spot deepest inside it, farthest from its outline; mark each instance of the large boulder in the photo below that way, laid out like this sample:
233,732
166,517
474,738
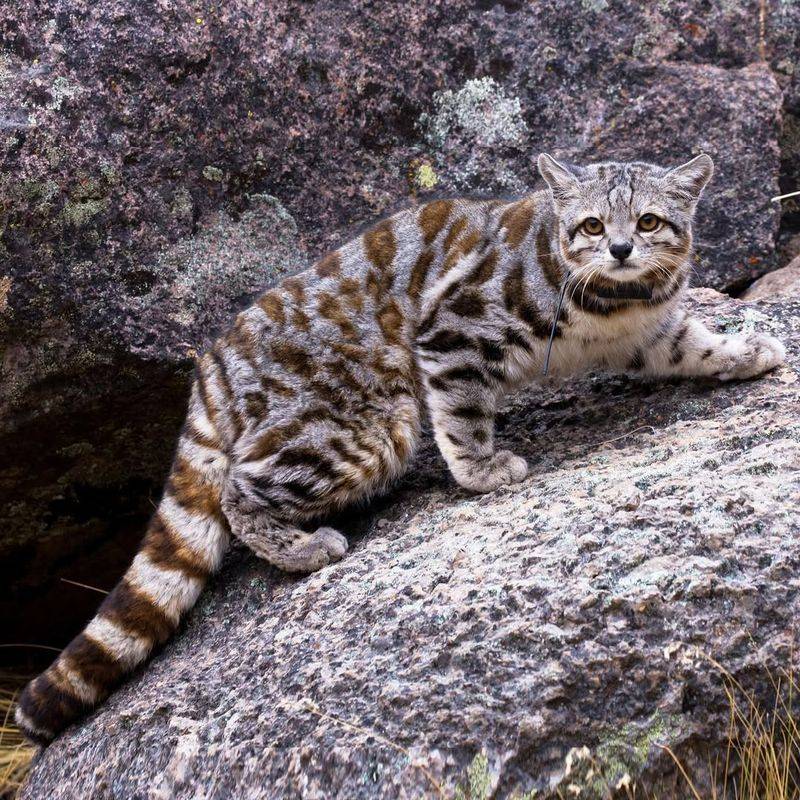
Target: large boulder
581,608
161,163
783,282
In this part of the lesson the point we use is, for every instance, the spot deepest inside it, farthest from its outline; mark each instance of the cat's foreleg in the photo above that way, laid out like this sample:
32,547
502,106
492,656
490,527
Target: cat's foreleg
685,347
463,413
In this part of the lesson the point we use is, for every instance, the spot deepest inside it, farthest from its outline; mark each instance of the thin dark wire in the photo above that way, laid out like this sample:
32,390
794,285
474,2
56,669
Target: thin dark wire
555,325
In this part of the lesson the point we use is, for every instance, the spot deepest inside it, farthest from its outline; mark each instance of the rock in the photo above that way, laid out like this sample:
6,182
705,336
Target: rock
575,610
784,282
159,166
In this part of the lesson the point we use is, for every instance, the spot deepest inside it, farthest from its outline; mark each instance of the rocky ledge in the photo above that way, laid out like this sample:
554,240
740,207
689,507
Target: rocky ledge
658,529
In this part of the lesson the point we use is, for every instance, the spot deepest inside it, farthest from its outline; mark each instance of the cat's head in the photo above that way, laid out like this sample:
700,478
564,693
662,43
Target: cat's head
628,221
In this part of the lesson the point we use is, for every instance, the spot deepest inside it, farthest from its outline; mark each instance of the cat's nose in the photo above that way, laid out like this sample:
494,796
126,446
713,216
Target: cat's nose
621,250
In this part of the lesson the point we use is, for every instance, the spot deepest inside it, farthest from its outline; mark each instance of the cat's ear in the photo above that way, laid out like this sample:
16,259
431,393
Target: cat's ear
692,176
561,181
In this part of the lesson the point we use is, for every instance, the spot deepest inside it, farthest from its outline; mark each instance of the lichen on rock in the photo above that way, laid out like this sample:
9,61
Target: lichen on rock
226,261
481,110
467,130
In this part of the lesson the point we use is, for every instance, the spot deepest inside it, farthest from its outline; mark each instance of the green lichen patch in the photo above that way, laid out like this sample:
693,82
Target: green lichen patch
80,213
426,176
616,762
182,205
478,783
421,176
61,91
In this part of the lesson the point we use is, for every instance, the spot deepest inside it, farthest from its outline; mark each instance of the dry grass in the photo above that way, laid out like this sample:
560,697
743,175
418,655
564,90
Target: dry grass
762,757
16,753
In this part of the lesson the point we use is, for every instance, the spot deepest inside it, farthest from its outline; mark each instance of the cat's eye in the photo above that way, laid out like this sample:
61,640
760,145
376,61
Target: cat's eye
593,226
648,222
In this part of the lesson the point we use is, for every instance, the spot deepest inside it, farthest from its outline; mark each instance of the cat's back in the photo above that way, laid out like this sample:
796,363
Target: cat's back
366,294
391,259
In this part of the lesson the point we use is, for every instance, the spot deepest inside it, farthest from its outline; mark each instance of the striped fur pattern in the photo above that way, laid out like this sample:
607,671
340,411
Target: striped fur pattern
313,399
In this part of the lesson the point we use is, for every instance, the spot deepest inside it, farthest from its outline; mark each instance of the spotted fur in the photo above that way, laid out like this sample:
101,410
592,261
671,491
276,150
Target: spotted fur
314,398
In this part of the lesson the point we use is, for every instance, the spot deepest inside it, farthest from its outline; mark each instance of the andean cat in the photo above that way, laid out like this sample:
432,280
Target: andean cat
313,400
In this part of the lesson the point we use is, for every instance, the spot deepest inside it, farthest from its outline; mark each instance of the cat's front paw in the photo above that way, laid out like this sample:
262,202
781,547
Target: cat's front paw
756,354
486,475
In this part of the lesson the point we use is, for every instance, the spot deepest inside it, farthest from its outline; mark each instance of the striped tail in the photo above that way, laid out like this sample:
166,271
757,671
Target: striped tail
183,545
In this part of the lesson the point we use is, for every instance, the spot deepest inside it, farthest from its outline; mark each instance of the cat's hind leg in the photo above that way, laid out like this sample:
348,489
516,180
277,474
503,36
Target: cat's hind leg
283,543
290,475
288,547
